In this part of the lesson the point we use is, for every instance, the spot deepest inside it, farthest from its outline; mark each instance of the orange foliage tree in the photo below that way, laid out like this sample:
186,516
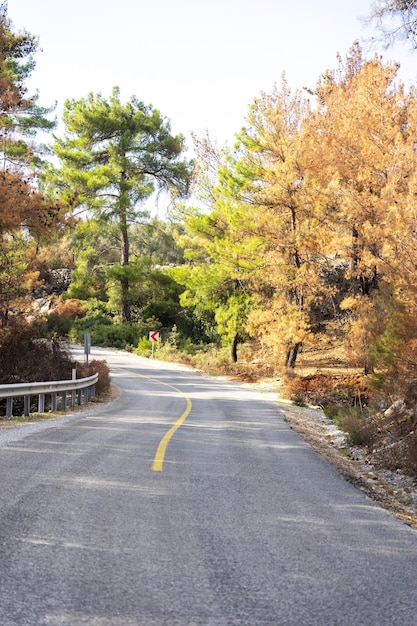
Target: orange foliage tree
366,150
321,198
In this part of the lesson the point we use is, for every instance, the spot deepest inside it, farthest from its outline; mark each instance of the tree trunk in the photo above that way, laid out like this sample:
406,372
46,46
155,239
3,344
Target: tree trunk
124,282
235,341
292,355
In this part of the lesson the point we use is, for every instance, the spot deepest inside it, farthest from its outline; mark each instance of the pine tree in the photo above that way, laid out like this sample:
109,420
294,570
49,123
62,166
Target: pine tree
113,156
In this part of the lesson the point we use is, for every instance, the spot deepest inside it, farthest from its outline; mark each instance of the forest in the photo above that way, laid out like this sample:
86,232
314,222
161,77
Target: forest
296,243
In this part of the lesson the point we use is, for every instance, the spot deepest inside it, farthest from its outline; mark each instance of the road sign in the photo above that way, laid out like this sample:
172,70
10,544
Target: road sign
154,335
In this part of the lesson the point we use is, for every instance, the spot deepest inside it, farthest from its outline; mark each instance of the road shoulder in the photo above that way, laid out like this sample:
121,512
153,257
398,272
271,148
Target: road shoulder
393,490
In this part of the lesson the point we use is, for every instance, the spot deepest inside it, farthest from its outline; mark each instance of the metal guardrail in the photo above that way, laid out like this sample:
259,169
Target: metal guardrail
81,389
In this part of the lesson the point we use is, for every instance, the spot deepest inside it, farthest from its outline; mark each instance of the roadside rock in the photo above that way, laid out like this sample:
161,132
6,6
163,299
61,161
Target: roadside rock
55,282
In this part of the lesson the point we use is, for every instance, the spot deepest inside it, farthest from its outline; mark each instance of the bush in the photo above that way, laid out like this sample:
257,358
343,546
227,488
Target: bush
70,309
115,335
327,390
59,325
63,314
107,333
144,347
104,381
356,424
25,358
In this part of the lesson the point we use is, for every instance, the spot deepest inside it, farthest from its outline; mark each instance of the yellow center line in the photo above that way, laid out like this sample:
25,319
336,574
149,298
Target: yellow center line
160,452
158,461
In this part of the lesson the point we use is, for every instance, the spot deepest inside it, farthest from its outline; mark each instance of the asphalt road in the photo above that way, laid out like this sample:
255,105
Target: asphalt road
190,501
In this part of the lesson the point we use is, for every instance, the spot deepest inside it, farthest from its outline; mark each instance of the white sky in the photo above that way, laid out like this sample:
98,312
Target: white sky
200,63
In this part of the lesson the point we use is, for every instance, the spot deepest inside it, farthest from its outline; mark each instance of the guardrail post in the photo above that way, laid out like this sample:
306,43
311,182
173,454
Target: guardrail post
9,407
41,403
26,405
74,377
64,400
53,401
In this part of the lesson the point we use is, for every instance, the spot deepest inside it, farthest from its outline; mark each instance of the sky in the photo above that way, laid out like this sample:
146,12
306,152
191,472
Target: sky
200,63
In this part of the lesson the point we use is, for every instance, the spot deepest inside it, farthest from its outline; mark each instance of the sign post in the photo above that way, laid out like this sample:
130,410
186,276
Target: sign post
87,346
154,337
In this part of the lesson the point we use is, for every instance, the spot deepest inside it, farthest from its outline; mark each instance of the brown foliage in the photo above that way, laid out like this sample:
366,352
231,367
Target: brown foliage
326,389
69,309
21,206
103,383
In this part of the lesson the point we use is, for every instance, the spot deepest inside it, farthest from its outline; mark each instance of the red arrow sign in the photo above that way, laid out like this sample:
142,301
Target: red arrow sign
154,335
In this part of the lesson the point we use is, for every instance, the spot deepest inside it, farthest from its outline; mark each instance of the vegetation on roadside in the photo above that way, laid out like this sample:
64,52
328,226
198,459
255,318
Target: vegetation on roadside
25,358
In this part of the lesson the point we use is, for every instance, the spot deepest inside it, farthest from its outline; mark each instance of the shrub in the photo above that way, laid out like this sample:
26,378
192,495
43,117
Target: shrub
104,381
25,358
144,347
327,390
59,325
63,314
115,335
69,309
356,424
107,333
